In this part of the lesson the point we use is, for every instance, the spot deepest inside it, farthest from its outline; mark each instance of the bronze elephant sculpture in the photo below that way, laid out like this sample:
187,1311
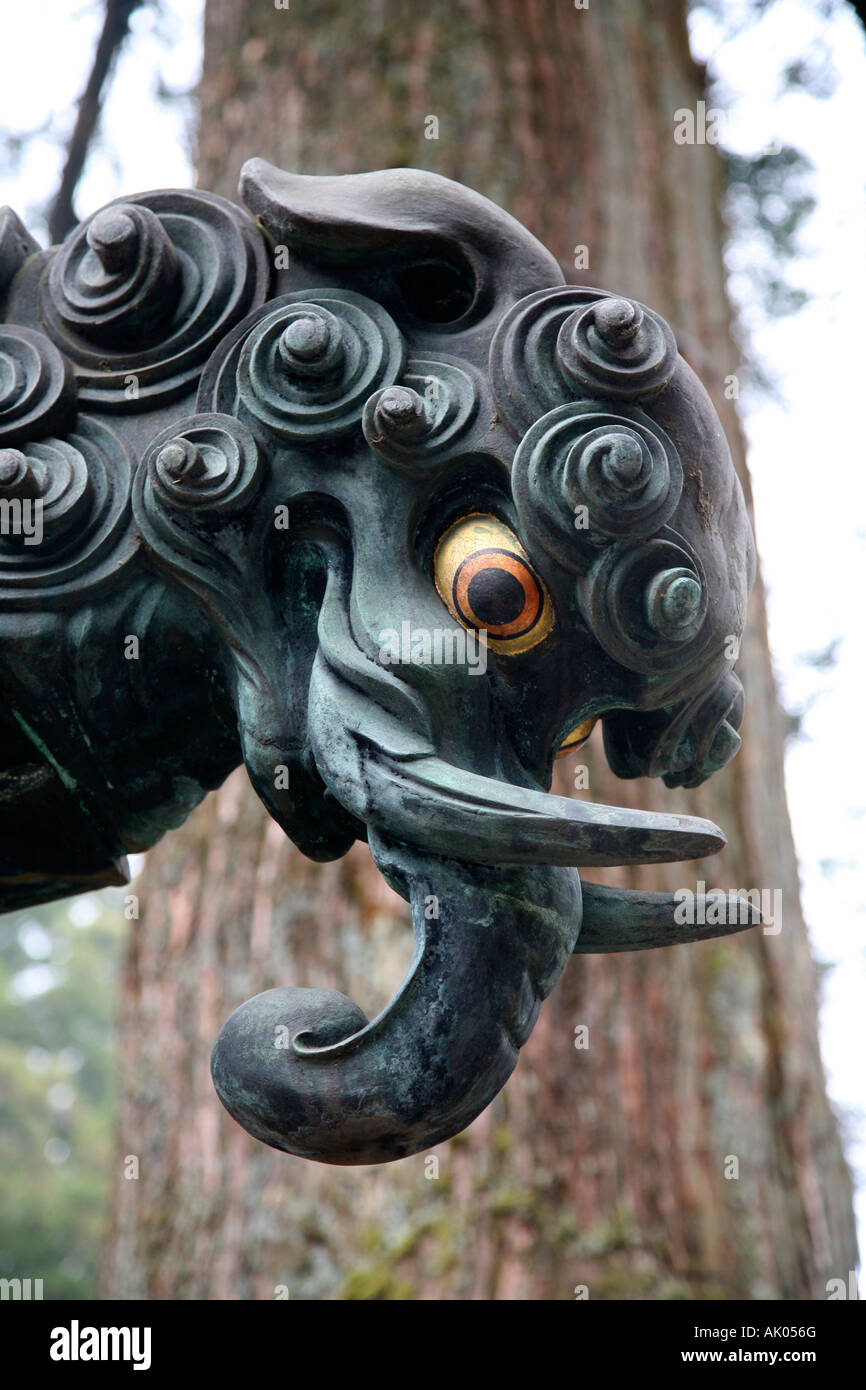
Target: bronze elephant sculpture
357,490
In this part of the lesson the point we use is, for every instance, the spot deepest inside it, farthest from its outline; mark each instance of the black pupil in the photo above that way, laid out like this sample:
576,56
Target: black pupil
495,597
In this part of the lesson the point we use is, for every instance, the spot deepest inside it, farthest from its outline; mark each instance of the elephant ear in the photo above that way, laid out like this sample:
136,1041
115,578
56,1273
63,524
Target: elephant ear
405,218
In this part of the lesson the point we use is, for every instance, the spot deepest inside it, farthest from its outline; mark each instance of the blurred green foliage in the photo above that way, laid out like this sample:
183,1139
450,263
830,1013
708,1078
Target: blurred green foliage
58,996
769,200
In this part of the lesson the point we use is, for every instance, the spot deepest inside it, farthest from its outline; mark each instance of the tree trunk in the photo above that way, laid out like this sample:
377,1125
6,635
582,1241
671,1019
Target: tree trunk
610,1166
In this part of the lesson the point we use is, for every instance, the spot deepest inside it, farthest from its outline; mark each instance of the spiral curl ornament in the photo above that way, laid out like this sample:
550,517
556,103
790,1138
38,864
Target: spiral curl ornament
144,291
646,602
73,496
617,348
585,475
37,386
119,276
207,464
306,369
571,341
526,374
703,736
53,474
413,423
683,745
17,478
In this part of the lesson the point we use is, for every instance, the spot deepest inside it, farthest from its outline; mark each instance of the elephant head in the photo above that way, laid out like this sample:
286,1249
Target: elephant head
431,514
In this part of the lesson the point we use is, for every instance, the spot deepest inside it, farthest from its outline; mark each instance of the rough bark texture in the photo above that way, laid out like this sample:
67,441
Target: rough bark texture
606,1166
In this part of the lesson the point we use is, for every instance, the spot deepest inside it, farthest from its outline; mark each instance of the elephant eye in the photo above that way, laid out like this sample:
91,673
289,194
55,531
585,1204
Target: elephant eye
578,736
485,580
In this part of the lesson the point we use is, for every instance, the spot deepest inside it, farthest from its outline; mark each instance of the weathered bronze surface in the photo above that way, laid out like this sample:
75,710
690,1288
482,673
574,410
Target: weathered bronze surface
261,483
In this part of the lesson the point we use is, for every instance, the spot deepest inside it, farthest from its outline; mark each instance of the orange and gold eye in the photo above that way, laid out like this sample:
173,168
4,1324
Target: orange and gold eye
484,578
579,734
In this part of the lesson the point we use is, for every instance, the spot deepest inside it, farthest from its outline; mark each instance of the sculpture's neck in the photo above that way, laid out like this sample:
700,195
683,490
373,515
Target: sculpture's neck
112,731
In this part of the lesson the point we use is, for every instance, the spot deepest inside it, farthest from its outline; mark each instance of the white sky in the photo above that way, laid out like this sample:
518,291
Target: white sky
806,454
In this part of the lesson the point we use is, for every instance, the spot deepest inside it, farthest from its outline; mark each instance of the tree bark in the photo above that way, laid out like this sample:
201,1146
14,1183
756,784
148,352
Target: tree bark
609,1166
